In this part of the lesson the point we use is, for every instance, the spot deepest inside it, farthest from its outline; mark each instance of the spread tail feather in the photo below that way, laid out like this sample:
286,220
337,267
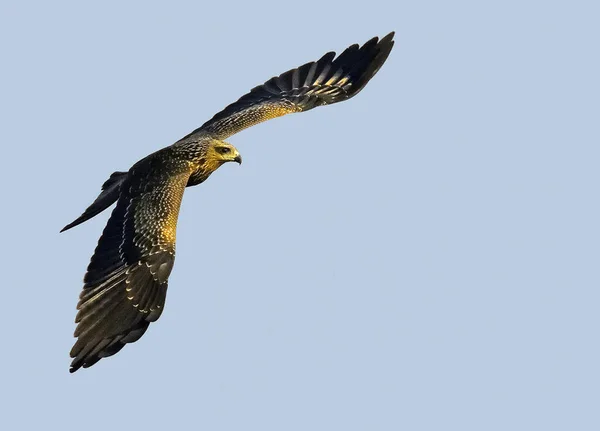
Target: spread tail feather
108,196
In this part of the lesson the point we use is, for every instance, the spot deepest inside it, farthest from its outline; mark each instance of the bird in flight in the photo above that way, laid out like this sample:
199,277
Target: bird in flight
126,281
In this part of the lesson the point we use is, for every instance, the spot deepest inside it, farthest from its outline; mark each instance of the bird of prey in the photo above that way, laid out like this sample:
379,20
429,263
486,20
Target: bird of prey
126,281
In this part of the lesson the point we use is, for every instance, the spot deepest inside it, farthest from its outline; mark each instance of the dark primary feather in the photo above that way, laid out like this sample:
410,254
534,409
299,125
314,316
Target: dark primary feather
323,82
126,282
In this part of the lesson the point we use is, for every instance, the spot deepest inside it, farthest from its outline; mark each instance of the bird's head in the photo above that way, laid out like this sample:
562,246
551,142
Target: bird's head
219,152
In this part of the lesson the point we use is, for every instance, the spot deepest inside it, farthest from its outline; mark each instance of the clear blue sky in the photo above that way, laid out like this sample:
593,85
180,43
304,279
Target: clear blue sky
422,257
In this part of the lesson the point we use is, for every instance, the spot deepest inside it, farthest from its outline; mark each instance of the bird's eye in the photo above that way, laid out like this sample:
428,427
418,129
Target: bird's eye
223,150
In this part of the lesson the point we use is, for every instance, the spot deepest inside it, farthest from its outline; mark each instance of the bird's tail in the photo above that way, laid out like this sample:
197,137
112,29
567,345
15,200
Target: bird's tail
109,195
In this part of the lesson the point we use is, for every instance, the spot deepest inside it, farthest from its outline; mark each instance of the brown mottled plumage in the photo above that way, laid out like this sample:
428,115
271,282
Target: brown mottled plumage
126,281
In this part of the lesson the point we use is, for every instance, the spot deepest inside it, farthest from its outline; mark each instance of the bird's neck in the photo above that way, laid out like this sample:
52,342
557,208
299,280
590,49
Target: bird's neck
205,167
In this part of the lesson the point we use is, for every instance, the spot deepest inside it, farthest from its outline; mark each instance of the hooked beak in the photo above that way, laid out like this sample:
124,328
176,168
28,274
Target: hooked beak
238,159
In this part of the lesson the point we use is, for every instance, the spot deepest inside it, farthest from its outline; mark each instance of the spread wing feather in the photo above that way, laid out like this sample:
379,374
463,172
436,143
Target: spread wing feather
126,282
322,82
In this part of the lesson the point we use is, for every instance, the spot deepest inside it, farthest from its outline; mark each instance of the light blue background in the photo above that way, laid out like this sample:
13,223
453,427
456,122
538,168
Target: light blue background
422,257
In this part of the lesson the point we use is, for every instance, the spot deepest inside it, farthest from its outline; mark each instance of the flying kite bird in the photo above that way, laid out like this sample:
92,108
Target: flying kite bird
126,281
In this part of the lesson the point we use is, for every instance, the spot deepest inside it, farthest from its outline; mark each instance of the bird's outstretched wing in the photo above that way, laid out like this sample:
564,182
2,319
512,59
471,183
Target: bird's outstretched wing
329,80
126,282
